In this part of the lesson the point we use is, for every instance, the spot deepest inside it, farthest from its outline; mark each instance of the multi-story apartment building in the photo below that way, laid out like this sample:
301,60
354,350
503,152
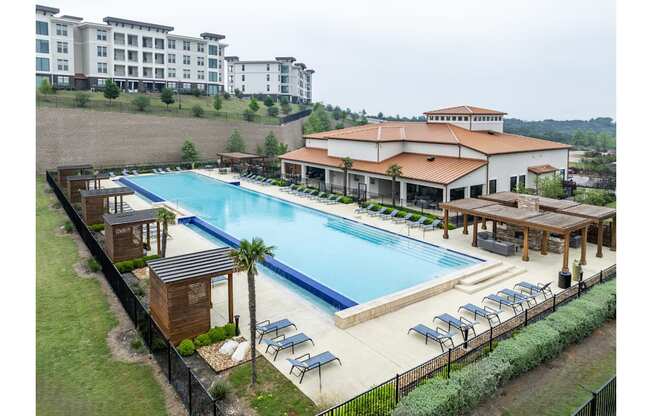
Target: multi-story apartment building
281,77
138,56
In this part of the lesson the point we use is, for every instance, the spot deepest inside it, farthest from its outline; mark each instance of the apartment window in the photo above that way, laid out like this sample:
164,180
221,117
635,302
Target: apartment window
119,70
147,72
42,46
513,183
268,68
147,57
186,74
201,47
172,73
132,40
200,74
267,77
147,42
285,69
243,88
172,58
62,47
475,191
186,45
243,77
119,54
285,89
41,28
43,64
101,35
159,73
159,59
101,51
62,30
159,43
172,44
492,186
119,38
132,71
213,50
62,65
132,56
186,59
101,82
212,76
457,193
212,63
102,68
284,79
63,81
185,86
267,87
200,61
521,181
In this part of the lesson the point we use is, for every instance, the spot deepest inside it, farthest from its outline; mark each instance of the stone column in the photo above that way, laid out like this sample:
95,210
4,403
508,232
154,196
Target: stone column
544,243
403,192
303,172
327,177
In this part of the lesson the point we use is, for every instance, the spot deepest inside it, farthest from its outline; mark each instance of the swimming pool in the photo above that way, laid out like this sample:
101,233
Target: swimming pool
357,261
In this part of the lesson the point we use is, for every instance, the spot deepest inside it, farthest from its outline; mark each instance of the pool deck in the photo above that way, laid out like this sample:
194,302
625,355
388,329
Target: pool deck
375,350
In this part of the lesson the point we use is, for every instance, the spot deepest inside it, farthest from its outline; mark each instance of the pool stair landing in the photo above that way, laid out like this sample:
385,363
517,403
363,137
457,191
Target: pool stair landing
483,279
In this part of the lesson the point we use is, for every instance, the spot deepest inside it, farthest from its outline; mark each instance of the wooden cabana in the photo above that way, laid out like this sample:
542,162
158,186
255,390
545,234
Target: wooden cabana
77,183
545,204
238,159
598,215
124,231
70,170
180,291
97,202
463,206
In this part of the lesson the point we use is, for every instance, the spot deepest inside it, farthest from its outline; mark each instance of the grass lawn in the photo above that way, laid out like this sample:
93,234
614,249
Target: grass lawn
75,373
275,395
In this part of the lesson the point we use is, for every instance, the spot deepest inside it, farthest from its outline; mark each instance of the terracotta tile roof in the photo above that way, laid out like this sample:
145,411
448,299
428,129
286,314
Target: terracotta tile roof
541,169
444,133
464,110
442,170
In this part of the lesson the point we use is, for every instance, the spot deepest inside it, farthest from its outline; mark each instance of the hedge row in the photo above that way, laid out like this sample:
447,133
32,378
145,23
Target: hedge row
528,348
129,265
215,334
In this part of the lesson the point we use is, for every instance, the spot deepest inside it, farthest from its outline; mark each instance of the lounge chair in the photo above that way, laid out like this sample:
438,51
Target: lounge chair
305,363
462,324
319,196
178,169
418,223
269,181
157,170
134,172
378,213
168,169
439,335
337,200
485,312
399,220
125,172
534,290
432,226
111,174
363,208
265,327
389,216
325,198
282,342
517,307
518,296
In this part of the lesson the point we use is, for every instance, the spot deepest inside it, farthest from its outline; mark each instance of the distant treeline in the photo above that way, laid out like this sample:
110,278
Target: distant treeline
596,133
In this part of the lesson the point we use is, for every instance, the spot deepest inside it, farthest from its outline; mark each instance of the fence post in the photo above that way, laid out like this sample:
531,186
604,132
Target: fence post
149,330
491,338
601,277
189,392
448,367
594,408
396,390
554,302
169,362
526,317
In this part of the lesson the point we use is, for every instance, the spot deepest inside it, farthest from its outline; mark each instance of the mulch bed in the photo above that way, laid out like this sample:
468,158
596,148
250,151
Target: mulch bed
220,362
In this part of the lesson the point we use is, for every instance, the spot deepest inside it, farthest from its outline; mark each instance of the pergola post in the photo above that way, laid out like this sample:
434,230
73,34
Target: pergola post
564,267
584,235
147,238
484,223
494,229
158,237
600,238
475,231
526,238
544,243
229,280
446,223
612,230
466,224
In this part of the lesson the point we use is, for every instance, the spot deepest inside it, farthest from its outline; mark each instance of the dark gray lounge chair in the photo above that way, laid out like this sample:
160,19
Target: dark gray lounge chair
518,296
389,216
462,324
399,220
168,169
430,227
305,363
439,335
378,213
516,306
125,172
134,172
418,223
282,342
334,201
490,314
178,169
364,208
266,327
534,290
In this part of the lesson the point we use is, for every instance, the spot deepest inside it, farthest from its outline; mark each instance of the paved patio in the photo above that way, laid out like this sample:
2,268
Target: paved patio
376,350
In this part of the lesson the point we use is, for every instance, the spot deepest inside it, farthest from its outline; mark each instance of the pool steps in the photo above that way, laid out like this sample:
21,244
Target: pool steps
488,277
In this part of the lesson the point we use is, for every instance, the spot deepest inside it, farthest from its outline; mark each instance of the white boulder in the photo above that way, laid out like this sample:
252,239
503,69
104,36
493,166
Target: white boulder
240,352
229,347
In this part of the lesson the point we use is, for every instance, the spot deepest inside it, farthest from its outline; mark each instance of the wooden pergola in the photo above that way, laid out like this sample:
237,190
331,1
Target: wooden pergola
76,183
69,170
512,198
97,202
180,291
238,158
598,215
124,234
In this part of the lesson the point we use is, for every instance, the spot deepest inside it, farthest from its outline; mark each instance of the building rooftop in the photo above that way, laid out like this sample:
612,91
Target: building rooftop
132,217
541,169
465,110
109,20
46,9
209,263
214,36
441,169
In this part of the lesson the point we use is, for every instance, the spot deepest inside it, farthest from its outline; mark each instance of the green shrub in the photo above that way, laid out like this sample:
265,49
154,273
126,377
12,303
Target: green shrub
129,265
125,266
139,263
197,110
375,208
401,214
346,200
219,389
382,397
217,334
415,217
151,257
229,330
203,340
93,265
67,227
186,347
272,111
137,344
96,227
428,221
141,102
434,397
479,380
81,99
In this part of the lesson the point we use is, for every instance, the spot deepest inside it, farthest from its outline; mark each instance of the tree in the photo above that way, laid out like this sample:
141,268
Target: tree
46,88
111,90
248,115
253,104
165,217
339,126
337,113
245,258
271,146
237,93
318,120
189,153
195,91
285,108
329,107
380,115
167,97
197,110
272,111
395,172
217,102
550,187
235,142
81,99
347,163
141,102
269,102
226,95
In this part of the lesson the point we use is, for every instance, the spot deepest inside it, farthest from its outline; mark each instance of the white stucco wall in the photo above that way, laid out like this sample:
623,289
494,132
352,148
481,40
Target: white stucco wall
471,154
389,149
317,144
431,149
354,149
477,177
502,167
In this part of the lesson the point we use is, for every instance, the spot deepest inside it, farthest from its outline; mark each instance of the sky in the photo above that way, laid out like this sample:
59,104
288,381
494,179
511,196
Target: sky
534,59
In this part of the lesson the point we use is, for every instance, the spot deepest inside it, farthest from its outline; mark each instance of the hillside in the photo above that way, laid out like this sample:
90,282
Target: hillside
596,133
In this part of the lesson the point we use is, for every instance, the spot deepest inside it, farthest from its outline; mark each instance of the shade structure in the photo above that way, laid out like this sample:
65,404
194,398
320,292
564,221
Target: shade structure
64,171
512,198
97,202
180,291
598,215
124,232
76,183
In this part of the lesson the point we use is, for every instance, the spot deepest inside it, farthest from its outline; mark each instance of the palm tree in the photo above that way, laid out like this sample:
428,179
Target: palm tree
347,163
245,259
394,171
165,217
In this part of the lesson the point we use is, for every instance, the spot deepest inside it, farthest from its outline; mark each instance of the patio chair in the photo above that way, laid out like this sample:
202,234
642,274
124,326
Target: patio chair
319,196
518,296
378,213
134,172
418,223
517,307
362,208
178,169
305,363
266,327
337,200
439,335
168,170
389,216
431,226
539,288
111,174
125,172
324,199
157,170
462,324
282,342
485,312
398,220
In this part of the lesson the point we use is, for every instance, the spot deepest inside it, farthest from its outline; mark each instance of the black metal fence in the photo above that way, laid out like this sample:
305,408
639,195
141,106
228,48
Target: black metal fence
603,402
381,399
295,116
191,392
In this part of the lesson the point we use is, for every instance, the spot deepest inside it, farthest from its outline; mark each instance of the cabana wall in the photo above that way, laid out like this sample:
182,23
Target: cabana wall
70,170
123,234
95,203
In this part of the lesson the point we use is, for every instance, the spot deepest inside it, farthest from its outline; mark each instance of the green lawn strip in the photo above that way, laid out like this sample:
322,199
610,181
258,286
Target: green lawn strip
275,395
75,373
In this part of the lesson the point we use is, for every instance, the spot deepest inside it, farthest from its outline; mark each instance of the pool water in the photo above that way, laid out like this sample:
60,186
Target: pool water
353,259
